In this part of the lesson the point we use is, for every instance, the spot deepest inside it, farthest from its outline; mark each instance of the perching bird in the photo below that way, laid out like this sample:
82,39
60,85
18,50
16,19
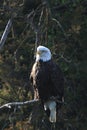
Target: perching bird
48,82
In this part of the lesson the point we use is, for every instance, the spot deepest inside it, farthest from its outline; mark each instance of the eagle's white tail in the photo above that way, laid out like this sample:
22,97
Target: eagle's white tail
51,105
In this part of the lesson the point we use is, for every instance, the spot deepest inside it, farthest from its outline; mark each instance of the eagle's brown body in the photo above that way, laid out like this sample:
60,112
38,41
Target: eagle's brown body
47,79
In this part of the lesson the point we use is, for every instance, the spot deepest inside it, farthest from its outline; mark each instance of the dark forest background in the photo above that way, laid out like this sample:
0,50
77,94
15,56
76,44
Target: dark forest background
61,25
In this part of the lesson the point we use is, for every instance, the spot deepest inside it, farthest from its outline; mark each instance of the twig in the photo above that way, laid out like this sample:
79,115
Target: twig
9,105
5,33
65,59
60,27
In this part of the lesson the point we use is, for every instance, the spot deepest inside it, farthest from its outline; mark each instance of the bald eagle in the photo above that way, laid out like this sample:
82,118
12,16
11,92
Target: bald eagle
48,82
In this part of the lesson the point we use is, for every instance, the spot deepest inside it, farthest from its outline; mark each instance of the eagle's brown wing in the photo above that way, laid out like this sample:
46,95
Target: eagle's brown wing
57,79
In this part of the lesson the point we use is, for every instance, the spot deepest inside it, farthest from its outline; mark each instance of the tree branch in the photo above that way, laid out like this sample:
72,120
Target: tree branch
61,27
9,105
5,33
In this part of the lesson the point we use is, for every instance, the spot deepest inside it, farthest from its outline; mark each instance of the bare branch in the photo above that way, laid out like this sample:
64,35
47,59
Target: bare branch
9,105
5,33
61,27
65,59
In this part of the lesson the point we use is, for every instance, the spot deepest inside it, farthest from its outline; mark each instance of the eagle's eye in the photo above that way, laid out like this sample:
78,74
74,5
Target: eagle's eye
43,51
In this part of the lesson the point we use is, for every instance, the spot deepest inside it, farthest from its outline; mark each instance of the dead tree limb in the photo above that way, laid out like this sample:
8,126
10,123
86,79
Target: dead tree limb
5,33
12,104
9,105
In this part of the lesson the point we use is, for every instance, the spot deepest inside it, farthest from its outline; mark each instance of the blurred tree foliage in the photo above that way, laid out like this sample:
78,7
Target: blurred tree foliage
60,25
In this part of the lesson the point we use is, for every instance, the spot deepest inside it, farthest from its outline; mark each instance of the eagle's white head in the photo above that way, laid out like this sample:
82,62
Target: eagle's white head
43,53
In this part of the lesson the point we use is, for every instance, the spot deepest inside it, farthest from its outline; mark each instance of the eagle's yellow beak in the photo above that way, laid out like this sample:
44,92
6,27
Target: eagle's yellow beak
38,53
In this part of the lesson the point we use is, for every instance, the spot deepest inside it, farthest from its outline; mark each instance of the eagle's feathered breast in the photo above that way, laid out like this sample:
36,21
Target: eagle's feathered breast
48,79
